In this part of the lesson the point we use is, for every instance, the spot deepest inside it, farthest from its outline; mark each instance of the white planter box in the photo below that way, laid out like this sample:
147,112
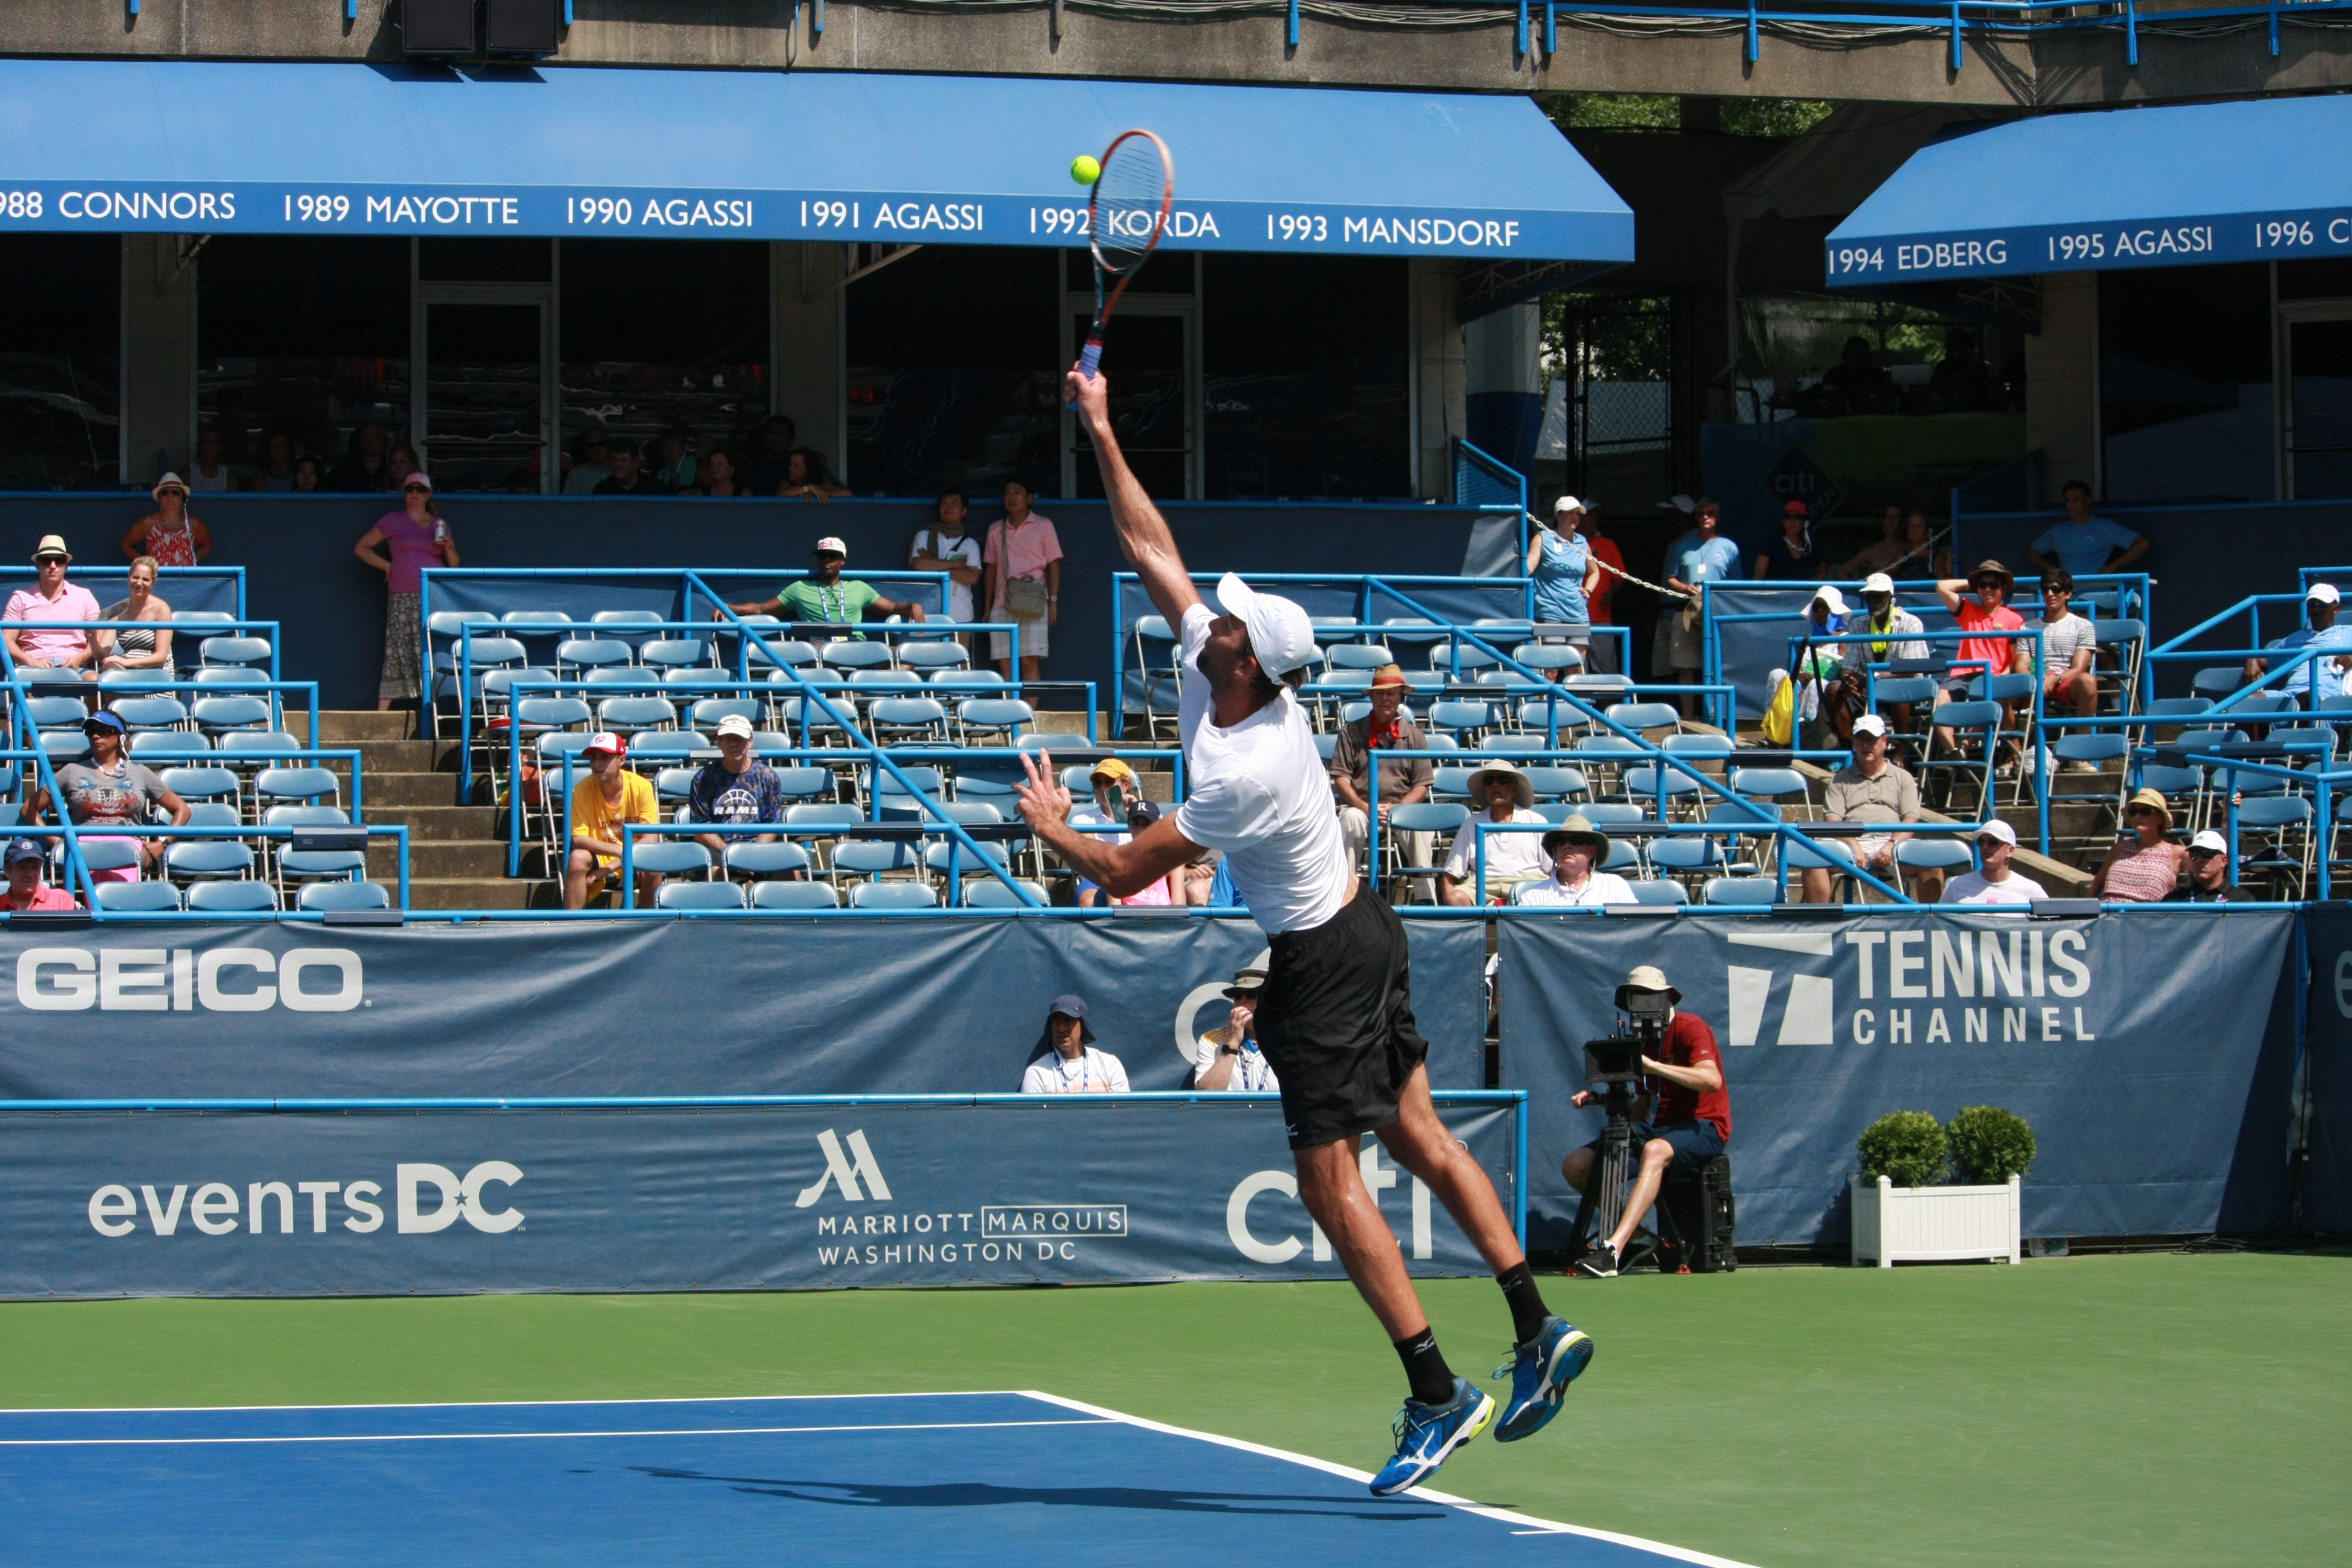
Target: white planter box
1935,1225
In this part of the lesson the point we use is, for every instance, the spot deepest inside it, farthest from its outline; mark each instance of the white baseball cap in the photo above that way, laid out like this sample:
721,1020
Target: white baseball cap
1828,595
1678,503
420,479
2208,839
829,545
735,724
1870,724
1999,829
1281,635
1567,503
1878,583
2325,592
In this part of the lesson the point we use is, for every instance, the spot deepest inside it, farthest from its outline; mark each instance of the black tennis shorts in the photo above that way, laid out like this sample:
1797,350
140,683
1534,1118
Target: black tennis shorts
1336,1022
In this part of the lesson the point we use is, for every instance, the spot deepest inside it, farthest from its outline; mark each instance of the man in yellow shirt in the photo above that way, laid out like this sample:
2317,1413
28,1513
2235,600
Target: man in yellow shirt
610,796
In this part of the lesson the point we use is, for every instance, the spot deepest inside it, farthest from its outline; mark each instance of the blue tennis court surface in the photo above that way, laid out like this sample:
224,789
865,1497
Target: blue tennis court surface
980,1478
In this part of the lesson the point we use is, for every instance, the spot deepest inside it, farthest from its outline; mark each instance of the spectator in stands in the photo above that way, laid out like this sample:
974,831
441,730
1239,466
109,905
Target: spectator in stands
1227,1058
1698,558
824,598
1511,858
1575,847
276,475
764,476
805,478
717,477
2320,606
168,534
109,790
1403,780
2145,865
27,893
402,463
1792,556
210,469
2208,874
1560,562
363,467
1200,878
1981,657
2086,545
1073,1066
675,471
401,545
310,475
610,796
628,477
591,464
1685,1111
1119,802
1022,547
1883,556
1871,789
1855,384
1962,383
51,598
1994,882
2069,644
1923,560
1602,656
1895,633
946,547
736,789
143,643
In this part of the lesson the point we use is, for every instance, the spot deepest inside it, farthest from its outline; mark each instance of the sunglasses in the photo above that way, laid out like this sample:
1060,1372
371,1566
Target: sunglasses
414,491
2202,854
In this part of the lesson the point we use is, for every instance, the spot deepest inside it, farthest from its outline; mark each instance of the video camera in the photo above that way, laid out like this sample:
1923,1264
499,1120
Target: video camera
1615,1063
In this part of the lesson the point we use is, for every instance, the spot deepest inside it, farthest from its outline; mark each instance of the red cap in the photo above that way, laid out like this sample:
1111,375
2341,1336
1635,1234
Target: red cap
1794,509
605,741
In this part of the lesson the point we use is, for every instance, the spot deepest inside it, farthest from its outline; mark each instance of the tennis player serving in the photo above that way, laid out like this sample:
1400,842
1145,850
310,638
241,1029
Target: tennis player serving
1336,1018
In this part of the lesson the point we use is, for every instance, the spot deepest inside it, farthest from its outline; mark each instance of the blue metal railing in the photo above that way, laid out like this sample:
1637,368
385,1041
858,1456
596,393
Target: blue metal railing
1481,478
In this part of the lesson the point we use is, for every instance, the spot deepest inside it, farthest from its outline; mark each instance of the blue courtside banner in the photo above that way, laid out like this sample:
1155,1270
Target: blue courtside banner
639,1007
2327,1176
393,1201
2151,1052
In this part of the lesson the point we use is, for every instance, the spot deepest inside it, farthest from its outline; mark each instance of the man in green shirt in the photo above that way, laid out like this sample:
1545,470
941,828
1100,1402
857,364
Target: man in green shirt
825,595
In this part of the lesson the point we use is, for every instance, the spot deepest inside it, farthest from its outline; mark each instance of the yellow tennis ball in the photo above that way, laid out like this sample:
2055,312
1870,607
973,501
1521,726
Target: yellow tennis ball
1085,170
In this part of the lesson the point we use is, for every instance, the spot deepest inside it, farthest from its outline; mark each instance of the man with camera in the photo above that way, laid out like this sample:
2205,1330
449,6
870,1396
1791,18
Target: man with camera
1682,1110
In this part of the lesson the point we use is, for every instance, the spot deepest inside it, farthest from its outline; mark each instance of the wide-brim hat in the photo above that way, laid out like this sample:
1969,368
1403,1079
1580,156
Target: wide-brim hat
169,482
1248,980
1526,786
51,544
1990,568
1574,828
2154,800
1647,977
1389,678
1828,595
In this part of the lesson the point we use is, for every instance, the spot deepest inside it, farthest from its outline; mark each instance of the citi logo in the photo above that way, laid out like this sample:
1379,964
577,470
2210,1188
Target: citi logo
216,1208
845,1171
178,979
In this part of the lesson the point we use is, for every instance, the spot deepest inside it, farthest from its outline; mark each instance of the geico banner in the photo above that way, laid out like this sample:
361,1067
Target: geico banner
652,1007
2327,1173
2151,1052
791,1196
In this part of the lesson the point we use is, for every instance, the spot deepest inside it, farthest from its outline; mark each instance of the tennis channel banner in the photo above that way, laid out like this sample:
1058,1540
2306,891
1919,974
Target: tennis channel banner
833,1005
2327,1171
2152,1053
1023,1190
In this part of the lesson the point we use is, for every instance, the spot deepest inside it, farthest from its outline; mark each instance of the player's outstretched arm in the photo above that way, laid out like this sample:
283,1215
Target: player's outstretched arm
1123,870
1143,533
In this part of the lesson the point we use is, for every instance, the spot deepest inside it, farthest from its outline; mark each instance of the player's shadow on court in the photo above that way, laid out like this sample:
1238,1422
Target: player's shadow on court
981,1494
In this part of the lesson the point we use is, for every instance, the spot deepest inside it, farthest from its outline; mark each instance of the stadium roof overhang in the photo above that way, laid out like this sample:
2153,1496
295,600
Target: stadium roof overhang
206,148
2259,180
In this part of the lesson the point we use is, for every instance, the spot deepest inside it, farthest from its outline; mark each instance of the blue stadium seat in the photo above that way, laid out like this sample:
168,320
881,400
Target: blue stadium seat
138,897
341,898
893,896
698,896
232,897
795,896
749,858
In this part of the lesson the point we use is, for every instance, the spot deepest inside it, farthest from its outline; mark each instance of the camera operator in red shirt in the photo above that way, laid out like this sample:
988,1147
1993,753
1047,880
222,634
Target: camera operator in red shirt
1687,1111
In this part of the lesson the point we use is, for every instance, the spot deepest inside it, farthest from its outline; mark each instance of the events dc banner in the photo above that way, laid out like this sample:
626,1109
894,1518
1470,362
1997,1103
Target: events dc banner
2152,1053
2328,1174
794,1196
641,1007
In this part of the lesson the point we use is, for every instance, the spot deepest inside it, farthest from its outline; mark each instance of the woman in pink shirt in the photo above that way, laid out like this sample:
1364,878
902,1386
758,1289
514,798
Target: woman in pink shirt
410,539
2145,866
1022,545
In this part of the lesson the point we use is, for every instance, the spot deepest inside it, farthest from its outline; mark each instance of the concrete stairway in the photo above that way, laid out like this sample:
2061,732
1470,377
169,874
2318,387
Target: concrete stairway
456,854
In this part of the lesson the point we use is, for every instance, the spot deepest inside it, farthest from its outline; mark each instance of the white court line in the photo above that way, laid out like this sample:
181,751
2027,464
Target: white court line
500,1404
511,1437
1501,1515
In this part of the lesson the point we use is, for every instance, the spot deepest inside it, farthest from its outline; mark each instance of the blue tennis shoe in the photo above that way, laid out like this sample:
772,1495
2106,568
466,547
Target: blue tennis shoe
1541,1372
1426,1434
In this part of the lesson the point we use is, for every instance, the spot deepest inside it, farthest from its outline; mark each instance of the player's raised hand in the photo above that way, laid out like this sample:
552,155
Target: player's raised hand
1044,801
1090,395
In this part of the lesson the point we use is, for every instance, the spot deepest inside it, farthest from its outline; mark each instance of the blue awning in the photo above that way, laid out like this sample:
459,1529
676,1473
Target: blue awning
2261,180
195,147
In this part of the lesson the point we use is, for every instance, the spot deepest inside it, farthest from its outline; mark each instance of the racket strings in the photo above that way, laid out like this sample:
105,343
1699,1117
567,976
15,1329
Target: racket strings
1127,199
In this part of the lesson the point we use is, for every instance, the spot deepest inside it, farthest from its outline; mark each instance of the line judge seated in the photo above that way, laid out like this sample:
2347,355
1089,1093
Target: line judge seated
1067,1061
1575,847
1227,1058
1511,858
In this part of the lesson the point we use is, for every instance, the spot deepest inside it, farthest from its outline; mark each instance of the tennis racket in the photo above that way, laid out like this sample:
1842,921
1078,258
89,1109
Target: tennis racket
1126,216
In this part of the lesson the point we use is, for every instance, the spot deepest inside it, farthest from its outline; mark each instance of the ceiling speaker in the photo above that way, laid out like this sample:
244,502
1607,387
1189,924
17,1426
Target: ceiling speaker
437,26
523,26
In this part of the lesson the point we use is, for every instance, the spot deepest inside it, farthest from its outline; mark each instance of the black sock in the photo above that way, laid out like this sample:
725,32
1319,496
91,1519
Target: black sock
1526,1302
1426,1368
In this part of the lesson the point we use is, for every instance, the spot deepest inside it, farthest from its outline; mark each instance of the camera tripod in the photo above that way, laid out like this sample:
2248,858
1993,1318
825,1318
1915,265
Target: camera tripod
1601,1209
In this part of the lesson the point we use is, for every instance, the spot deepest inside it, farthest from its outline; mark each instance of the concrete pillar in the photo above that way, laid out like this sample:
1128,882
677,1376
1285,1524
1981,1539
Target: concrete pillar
2061,382
1438,372
806,367
1504,406
159,356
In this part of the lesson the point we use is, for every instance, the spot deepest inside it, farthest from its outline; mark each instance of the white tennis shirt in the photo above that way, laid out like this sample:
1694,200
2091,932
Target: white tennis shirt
1260,793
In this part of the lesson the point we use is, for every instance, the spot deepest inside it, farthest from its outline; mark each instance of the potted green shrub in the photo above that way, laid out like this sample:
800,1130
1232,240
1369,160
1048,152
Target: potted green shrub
1905,1210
